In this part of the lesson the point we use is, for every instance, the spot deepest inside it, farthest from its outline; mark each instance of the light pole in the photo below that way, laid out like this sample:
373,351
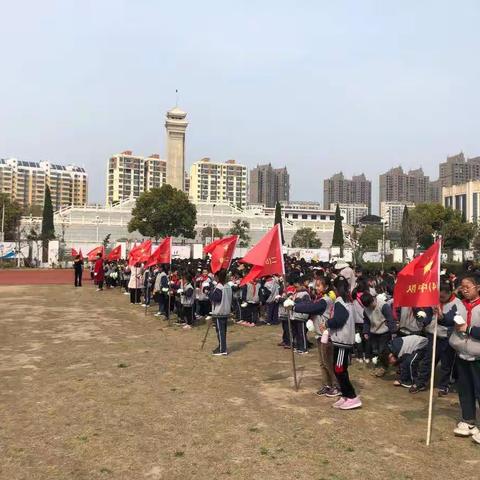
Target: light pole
213,208
2,233
384,227
97,222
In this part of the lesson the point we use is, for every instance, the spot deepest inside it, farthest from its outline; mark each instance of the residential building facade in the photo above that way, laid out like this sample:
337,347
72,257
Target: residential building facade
25,183
464,198
338,189
269,185
212,182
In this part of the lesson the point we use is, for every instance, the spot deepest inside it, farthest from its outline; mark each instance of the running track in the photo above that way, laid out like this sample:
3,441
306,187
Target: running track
34,276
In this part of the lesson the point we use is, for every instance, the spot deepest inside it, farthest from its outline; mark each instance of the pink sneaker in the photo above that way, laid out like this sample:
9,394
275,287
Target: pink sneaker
339,403
350,404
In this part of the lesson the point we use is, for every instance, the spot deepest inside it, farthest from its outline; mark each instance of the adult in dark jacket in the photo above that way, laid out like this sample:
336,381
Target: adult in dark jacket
78,270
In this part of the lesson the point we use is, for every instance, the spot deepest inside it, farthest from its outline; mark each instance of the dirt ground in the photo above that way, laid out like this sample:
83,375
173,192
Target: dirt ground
92,388
38,276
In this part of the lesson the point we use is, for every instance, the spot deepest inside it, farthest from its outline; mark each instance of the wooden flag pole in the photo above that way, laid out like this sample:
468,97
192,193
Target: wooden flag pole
206,334
293,354
434,353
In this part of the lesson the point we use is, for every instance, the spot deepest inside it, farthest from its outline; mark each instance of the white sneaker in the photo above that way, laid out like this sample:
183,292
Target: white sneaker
158,314
126,293
465,430
476,438
367,360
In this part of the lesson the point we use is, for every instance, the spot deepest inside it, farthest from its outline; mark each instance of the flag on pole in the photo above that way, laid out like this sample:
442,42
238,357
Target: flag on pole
221,252
115,254
417,283
140,253
92,254
162,254
266,256
75,253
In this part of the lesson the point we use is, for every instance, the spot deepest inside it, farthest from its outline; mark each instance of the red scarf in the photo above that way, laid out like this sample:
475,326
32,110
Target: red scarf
470,306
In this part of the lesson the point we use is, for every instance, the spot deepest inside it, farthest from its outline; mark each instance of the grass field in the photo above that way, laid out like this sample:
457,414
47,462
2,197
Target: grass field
91,388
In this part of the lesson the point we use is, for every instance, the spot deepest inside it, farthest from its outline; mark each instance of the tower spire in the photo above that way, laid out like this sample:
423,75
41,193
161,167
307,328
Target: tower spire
176,97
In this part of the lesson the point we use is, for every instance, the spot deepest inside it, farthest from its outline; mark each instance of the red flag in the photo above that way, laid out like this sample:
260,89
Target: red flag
75,253
115,254
417,283
92,254
141,253
162,254
266,256
222,251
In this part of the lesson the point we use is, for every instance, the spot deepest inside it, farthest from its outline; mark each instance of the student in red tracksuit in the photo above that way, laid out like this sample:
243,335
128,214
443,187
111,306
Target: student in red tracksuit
98,272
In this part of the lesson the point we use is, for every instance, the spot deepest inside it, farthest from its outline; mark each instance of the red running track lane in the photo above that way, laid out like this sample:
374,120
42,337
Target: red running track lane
44,276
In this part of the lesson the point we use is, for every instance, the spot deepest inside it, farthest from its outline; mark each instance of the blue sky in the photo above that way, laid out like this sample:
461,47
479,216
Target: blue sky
319,86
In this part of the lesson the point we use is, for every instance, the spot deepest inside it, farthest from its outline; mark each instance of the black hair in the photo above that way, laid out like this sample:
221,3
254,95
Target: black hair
342,288
367,299
222,276
446,286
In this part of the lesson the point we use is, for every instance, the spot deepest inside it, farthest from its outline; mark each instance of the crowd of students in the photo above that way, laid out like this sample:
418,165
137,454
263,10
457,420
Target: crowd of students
345,313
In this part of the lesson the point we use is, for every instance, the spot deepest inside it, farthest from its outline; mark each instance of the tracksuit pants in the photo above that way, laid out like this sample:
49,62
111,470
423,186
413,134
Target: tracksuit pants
341,359
285,333
468,388
272,313
299,335
221,328
410,365
377,343
135,295
444,354
187,314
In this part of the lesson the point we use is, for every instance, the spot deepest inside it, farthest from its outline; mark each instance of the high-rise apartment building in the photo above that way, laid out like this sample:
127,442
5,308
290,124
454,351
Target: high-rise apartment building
338,189
411,187
269,185
155,172
25,183
457,170
125,177
176,126
212,182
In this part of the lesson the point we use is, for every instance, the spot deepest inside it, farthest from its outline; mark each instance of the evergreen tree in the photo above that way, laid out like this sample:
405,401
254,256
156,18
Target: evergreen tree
337,240
278,219
48,228
406,233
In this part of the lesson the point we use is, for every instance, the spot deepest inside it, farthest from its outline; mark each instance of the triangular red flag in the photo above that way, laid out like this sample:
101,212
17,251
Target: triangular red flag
162,254
115,254
418,283
74,253
92,254
266,256
141,253
81,254
222,251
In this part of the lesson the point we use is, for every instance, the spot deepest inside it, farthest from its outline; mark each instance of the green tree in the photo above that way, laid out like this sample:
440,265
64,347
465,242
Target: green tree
369,238
48,228
338,240
241,227
432,219
13,215
406,234
106,241
456,232
163,212
206,232
279,219
306,238
426,220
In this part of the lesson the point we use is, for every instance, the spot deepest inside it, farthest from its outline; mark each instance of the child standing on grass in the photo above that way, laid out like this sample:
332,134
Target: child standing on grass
465,340
342,330
320,310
